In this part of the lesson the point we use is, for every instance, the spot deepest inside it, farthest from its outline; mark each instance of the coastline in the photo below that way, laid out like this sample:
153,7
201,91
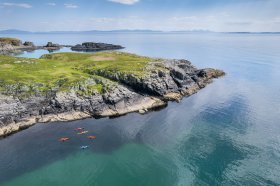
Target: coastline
147,104
103,84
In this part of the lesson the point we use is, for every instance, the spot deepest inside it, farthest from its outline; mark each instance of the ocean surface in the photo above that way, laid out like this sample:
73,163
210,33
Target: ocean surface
227,134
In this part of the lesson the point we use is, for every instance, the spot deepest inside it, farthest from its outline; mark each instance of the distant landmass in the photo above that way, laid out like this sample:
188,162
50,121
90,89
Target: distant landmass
15,31
12,31
251,32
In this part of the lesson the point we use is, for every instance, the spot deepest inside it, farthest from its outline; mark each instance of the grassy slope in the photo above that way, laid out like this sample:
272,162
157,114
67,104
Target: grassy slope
12,41
64,71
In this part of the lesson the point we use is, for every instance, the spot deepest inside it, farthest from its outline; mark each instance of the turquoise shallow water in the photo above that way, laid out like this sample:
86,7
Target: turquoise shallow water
227,134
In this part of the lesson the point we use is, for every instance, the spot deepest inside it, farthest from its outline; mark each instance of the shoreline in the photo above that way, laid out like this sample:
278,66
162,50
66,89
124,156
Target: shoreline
72,86
143,108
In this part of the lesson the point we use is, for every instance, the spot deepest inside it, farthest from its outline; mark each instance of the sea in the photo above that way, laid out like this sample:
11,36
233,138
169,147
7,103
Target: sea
226,134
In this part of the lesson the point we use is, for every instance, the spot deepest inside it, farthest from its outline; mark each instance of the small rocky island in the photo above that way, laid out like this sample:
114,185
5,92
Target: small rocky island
70,86
92,47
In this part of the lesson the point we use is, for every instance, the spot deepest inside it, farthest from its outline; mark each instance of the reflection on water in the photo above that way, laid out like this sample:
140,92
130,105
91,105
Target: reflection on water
40,52
227,134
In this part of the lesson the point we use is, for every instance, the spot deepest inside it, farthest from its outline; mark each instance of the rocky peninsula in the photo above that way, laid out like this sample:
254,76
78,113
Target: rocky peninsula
70,86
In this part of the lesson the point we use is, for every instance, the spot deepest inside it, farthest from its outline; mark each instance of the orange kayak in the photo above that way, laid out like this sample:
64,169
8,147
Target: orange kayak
64,139
91,137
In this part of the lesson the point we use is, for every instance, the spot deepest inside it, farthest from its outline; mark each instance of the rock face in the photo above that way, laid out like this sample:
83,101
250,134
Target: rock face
91,46
173,80
9,45
6,48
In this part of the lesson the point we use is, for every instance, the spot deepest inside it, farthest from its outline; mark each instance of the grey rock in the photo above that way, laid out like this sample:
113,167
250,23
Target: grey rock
51,46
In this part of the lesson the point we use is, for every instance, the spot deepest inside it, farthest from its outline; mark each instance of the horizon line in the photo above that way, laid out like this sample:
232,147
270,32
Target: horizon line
134,30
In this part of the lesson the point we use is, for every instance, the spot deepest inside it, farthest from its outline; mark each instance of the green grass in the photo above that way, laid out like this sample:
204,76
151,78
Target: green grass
65,71
108,61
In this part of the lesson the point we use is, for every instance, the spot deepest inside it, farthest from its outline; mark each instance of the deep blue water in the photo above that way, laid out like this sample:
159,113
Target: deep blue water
227,134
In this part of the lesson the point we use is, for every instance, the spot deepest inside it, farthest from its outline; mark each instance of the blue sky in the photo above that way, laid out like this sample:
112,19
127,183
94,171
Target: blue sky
167,15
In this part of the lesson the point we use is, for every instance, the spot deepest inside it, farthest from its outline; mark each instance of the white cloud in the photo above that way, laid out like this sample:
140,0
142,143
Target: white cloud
20,5
125,2
51,4
70,6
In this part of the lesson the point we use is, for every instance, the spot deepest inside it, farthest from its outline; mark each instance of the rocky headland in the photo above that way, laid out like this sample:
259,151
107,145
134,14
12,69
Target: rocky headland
70,86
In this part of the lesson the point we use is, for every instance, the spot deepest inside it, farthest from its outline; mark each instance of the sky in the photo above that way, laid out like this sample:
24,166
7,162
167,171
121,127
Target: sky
165,15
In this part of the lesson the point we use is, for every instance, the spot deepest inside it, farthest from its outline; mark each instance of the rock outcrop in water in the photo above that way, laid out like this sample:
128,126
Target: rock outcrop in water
52,46
29,44
91,47
136,85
